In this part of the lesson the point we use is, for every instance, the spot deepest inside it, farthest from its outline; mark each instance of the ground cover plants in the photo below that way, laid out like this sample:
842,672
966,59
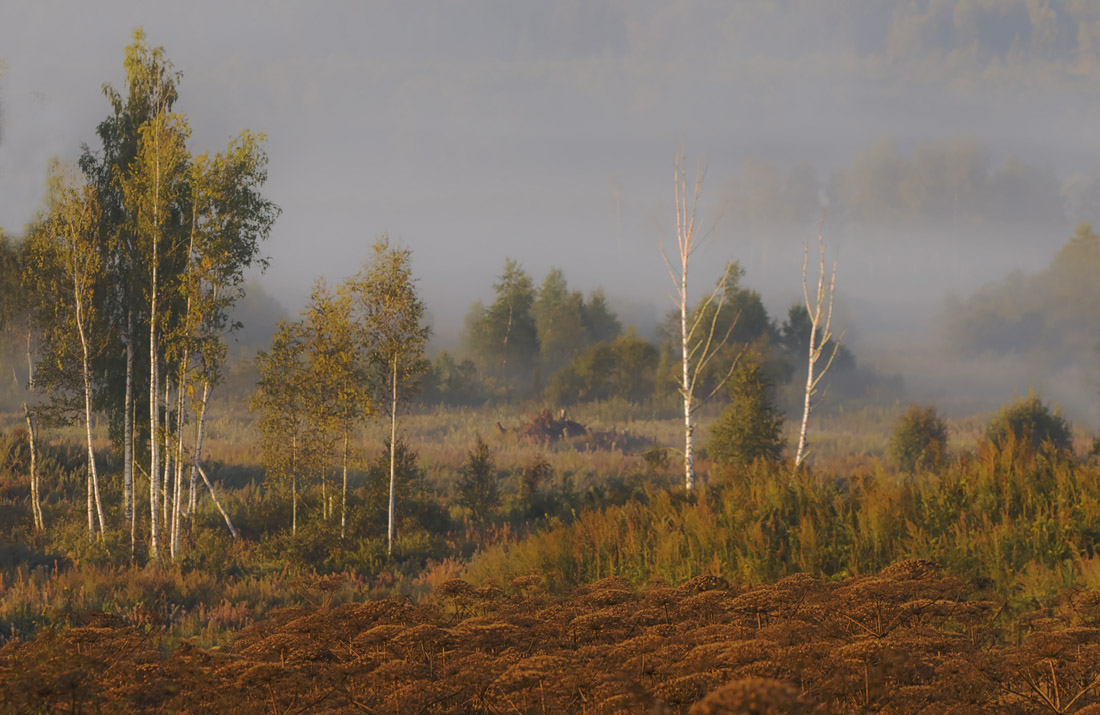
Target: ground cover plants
907,639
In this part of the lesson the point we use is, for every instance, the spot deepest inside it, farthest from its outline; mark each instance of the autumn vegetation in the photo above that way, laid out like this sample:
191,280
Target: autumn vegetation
341,517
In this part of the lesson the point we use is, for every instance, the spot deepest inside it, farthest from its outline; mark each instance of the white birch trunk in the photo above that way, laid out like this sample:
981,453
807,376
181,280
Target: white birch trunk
689,428
294,484
393,462
95,508
818,340
344,491
178,479
800,454
127,430
154,389
36,505
198,449
217,502
166,482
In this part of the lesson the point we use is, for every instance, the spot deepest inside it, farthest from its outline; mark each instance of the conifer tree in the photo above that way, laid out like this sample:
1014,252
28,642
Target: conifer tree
751,427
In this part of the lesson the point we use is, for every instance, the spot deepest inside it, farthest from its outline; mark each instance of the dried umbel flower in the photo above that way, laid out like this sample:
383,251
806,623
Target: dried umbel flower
756,696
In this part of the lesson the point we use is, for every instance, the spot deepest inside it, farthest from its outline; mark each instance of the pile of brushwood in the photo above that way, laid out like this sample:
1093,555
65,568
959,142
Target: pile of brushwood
908,640
544,427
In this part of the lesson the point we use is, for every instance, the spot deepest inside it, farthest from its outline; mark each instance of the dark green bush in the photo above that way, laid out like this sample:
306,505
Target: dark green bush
919,440
1030,422
478,489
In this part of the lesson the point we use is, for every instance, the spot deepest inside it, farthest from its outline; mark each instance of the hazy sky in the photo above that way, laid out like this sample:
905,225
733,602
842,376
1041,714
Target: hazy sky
950,141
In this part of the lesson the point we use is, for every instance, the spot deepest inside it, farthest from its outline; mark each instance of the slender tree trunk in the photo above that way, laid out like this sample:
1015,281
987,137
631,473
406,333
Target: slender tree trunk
820,312
294,484
177,498
198,448
393,460
154,437
36,505
344,490
217,502
127,431
800,454
166,482
689,428
95,508
133,484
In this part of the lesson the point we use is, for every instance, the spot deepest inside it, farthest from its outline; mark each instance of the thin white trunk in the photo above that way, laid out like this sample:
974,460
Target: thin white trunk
166,482
36,502
689,428
133,483
177,497
294,484
800,454
217,503
127,431
393,462
154,376
198,449
154,437
344,491
821,319
36,505
95,508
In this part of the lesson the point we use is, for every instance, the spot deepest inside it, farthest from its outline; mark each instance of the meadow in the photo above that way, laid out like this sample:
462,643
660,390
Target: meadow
1009,531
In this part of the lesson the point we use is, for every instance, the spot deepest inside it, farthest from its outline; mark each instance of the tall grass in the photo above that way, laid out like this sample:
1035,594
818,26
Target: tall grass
1028,521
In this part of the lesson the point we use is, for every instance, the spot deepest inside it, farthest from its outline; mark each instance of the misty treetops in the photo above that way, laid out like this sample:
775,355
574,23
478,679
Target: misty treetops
549,342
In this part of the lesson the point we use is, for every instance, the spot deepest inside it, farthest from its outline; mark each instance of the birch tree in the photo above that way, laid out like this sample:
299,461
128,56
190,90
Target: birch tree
230,218
391,316
700,338
66,262
17,287
505,331
278,399
821,319
150,90
152,194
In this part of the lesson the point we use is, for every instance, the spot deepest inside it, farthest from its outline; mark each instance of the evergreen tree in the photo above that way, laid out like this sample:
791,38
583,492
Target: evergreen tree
503,336
751,427
600,322
477,487
559,320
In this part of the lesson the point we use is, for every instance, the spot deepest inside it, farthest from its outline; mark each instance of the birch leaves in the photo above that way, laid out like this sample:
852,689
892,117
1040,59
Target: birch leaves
352,355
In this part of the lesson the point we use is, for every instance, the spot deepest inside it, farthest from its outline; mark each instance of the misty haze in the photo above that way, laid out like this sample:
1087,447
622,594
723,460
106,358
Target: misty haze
484,356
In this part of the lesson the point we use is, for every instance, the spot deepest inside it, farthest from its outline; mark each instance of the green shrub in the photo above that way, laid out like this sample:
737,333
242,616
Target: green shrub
1029,421
478,490
919,440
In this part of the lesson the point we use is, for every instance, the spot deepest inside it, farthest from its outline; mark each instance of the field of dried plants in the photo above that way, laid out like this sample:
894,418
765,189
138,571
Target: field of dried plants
852,587
905,641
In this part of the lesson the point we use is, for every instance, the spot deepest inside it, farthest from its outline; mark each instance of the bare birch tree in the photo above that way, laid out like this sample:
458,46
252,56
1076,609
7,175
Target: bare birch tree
699,341
821,320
